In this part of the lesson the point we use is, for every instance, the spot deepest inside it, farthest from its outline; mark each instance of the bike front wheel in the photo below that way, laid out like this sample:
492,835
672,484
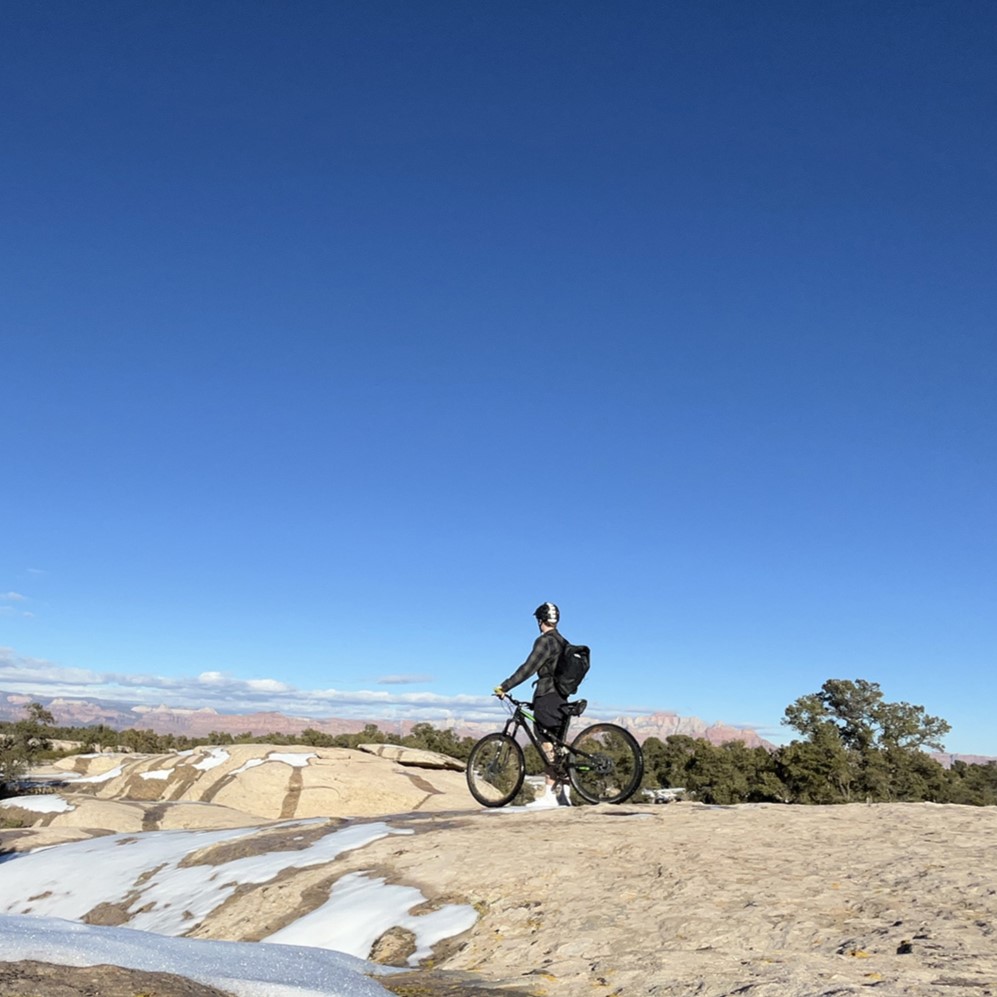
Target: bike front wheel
495,770
605,764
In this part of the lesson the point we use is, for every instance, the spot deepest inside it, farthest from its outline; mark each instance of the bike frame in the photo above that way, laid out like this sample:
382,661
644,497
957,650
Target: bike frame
523,719
604,763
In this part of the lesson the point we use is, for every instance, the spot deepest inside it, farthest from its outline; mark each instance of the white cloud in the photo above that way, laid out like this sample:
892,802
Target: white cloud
404,679
9,605
18,669
145,681
267,685
227,694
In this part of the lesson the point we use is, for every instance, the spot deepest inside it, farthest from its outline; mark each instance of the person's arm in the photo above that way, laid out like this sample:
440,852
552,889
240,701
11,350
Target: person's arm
539,654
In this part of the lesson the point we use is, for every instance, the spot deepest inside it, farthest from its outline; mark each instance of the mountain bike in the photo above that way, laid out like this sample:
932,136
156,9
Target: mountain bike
603,764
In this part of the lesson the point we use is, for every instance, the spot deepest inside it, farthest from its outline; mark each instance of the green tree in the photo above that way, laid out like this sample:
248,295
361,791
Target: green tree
38,720
100,737
653,749
859,747
316,738
726,774
818,770
23,742
759,764
972,784
915,776
673,763
445,742
534,763
857,711
713,775
371,734
144,742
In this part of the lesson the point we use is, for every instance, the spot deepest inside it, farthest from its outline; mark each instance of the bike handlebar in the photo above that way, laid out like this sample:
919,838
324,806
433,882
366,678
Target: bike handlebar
511,699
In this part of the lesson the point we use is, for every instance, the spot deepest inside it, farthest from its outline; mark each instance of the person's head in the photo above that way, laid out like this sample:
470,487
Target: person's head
547,615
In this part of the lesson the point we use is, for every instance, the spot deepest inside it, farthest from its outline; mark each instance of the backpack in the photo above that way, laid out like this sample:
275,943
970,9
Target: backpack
570,669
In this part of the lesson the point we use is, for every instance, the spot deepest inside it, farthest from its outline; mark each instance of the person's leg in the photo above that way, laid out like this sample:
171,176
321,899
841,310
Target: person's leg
552,723
549,719
561,788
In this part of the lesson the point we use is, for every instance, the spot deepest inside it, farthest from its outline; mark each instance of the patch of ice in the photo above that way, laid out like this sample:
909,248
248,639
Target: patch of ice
48,803
156,774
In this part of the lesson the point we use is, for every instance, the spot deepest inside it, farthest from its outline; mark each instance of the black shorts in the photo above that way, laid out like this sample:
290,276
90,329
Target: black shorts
549,713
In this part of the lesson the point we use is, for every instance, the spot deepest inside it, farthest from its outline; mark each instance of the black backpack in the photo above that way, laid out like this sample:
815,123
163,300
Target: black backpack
571,668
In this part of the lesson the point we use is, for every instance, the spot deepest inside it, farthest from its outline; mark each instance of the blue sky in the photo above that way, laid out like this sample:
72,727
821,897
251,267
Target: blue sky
336,337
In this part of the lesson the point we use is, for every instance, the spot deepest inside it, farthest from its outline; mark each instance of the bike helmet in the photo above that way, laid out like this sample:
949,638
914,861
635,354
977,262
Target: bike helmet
547,612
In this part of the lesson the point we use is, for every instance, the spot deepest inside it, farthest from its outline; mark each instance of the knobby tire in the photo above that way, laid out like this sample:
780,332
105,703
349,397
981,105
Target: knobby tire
495,770
606,764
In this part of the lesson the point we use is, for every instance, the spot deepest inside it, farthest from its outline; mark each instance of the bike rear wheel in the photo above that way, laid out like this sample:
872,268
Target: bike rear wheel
495,770
605,764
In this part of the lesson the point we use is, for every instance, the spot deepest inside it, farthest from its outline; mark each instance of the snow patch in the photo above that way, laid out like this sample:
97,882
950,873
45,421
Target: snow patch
49,803
216,757
360,909
103,777
298,760
61,883
246,766
245,969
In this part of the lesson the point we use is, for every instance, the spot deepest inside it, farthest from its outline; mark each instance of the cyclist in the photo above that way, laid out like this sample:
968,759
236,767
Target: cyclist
548,703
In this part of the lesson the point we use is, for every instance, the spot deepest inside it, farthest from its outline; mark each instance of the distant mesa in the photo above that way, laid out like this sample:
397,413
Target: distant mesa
178,710
662,725
163,719
946,759
201,722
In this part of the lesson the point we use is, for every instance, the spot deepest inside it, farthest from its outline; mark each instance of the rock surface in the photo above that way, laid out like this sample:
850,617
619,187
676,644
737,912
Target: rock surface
413,756
31,978
250,781
670,901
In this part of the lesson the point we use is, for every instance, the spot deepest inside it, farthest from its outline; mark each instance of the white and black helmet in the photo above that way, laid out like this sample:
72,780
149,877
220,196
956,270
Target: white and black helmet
547,612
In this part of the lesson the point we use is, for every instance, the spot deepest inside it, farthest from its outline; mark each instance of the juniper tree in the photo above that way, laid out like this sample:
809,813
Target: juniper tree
23,742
